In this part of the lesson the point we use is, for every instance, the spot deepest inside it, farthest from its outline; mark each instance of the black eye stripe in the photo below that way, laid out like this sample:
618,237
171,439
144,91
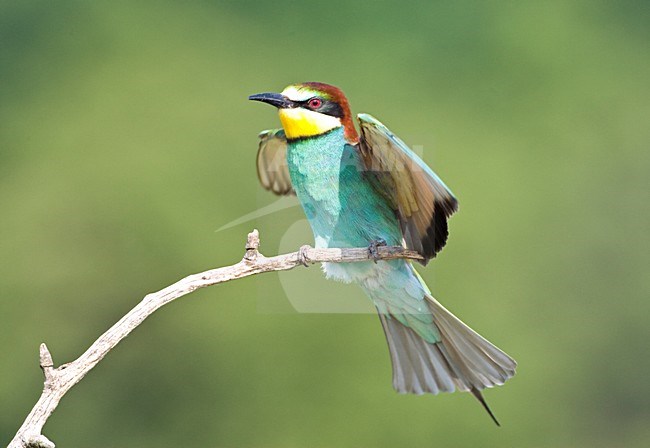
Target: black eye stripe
305,103
327,107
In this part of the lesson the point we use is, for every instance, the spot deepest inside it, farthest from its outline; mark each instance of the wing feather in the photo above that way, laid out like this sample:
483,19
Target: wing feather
272,169
419,197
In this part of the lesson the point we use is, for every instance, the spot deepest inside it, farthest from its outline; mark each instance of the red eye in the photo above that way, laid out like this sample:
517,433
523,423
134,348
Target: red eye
315,103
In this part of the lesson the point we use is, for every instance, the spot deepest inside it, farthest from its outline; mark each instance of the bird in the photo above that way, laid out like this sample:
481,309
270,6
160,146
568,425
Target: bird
367,188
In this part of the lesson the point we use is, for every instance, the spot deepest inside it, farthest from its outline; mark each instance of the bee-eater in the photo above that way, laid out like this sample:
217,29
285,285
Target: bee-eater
369,189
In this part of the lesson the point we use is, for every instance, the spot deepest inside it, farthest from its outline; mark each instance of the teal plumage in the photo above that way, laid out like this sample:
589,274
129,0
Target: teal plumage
327,174
358,190
344,210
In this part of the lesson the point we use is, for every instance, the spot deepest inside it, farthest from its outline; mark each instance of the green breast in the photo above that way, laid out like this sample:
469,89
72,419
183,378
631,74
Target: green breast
342,207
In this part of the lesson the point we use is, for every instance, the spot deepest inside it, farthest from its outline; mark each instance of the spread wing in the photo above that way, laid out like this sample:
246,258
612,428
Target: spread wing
272,169
421,200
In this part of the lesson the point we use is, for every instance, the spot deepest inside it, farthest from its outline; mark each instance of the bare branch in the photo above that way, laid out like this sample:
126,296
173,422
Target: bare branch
61,379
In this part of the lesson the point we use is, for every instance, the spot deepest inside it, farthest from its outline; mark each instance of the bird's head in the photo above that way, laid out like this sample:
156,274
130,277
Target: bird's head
310,109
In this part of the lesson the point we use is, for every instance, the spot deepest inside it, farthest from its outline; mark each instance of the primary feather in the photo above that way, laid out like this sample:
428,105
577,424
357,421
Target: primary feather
272,170
420,198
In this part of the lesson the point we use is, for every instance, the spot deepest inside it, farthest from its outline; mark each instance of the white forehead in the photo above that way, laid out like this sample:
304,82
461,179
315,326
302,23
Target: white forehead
297,94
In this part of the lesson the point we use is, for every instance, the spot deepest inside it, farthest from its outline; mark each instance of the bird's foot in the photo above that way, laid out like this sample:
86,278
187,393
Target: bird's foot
372,248
303,259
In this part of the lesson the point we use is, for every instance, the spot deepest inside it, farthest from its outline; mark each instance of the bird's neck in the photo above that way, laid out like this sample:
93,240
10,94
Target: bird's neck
319,158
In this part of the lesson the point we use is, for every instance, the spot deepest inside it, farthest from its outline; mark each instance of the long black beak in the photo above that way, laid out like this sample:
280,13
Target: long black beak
274,99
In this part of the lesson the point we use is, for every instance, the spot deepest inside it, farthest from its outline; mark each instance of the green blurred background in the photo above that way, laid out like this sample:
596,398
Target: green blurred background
126,140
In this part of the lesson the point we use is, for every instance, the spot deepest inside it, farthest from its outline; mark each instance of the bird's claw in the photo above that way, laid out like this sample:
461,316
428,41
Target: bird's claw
372,248
303,259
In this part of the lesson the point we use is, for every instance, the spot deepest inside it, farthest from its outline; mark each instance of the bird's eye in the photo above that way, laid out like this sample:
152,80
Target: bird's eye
315,103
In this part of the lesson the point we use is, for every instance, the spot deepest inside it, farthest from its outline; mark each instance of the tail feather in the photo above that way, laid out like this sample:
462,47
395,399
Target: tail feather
479,397
418,367
462,360
481,364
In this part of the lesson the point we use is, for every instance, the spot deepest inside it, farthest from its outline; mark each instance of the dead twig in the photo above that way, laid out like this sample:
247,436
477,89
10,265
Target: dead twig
59,380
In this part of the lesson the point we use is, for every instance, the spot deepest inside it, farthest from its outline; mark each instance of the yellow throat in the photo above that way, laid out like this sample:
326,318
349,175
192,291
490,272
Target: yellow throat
299,122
